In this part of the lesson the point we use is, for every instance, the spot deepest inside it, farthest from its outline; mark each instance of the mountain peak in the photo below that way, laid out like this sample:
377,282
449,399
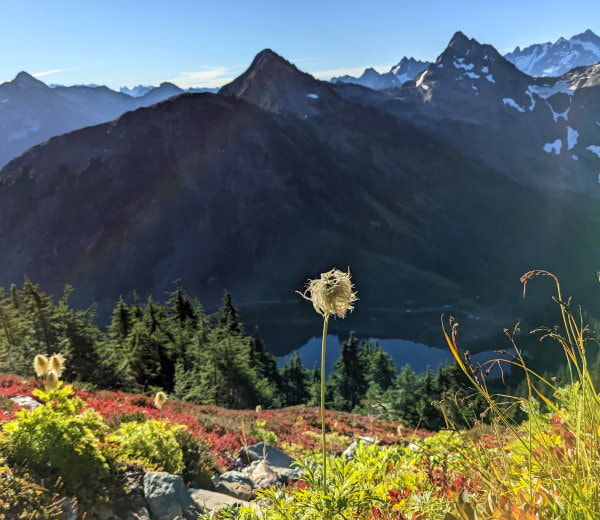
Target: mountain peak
370,70
25,79
459,38
461,43
168,84
556,59
461,46
587,36
269,60
408,68
276,85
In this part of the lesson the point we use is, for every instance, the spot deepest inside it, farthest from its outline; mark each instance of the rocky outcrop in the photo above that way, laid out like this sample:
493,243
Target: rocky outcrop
349,451
272,455
235,484
25,402
263,476
168,498
214,501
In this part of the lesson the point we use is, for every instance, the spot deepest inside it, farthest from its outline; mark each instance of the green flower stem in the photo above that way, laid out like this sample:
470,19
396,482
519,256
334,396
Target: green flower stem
323,436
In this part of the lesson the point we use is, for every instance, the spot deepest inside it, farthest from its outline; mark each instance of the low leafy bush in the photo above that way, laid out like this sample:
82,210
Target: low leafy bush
59,440
153,443
21,498
198,462
260,433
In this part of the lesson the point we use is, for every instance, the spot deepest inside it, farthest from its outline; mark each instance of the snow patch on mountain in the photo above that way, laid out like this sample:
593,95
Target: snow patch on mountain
555,59
548,90
594,149
530,93
554,146
556,116
459,63
312,96
512,103
572,136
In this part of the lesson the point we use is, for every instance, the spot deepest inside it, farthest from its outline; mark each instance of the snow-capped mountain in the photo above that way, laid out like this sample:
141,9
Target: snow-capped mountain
136,91
142,90
406,70
372,79
527,126
555,59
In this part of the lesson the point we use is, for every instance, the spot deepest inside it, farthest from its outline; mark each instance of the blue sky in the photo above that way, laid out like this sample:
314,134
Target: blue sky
202,43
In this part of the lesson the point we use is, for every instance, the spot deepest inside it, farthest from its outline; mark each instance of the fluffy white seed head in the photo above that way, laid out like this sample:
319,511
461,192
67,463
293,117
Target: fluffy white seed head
40,365
160,399
57,364
331,294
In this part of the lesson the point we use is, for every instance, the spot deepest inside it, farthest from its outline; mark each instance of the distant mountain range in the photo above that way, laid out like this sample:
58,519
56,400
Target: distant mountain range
31,111
544,59
438,193
142,90
555,59
406,70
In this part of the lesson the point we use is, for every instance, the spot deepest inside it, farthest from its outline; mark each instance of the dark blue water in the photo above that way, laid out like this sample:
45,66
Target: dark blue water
417,355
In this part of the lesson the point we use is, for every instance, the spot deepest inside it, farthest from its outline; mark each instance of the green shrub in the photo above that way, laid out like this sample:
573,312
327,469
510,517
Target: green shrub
6,404
152,443
20,498
58,440
198,462
260,433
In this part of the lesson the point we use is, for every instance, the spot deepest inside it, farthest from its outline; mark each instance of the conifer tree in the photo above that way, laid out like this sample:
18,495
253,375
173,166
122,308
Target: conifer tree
122,321
404,397
381,369
348,381
295,379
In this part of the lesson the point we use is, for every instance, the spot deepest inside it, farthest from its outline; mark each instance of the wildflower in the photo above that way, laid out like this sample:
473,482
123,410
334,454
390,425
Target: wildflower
40,365
160,399
52,379
332,293
57,363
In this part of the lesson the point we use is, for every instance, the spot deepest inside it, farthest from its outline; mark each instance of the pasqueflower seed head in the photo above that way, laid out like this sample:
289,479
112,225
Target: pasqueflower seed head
331,294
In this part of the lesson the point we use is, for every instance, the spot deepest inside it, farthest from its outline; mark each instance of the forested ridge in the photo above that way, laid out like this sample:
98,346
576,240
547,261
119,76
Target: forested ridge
177,347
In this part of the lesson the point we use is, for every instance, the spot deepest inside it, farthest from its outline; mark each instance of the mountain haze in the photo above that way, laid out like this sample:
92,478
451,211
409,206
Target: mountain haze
31,111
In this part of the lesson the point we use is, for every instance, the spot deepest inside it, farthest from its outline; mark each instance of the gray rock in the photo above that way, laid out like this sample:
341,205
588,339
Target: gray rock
287,474
213,500
273,456
167,497
235,484
131,506
349,451
25,402
263,476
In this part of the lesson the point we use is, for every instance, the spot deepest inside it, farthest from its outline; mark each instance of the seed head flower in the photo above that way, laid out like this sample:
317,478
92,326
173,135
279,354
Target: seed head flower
52,379
40,365
332,293
160,399
57,363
